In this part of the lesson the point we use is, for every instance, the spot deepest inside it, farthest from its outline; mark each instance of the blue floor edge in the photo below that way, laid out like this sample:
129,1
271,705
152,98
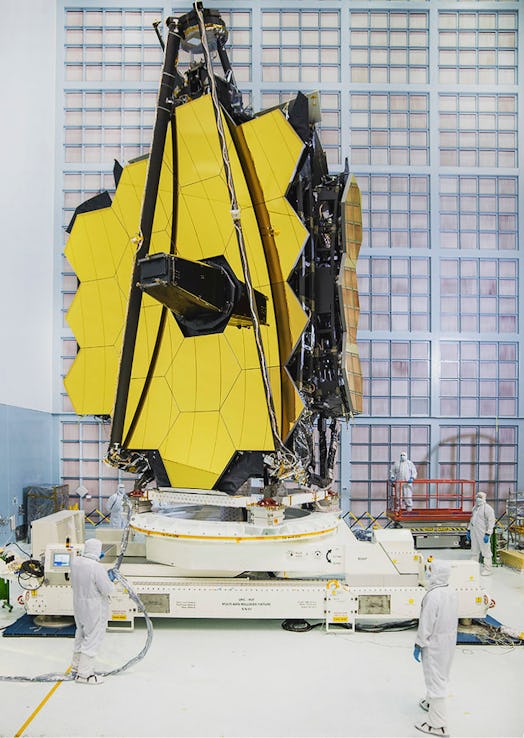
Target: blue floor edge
472,639
26,627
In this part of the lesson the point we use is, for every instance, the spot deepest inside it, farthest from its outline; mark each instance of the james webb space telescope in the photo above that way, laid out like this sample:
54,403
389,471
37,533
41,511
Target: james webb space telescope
216,318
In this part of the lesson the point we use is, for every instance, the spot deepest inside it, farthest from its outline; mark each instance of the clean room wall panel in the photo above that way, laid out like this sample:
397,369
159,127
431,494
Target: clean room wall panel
27,135
28,455
465,144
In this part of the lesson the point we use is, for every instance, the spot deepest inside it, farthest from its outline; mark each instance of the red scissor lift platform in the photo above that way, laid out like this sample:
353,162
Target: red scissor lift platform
441,508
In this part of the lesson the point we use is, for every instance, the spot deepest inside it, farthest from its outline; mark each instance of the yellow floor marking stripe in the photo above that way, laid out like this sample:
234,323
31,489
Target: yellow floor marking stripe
39,707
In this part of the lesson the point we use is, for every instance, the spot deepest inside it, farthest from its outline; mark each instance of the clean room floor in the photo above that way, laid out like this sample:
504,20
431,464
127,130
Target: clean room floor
252,678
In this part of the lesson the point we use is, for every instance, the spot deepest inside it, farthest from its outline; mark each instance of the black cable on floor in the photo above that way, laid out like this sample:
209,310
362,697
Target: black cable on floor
303,626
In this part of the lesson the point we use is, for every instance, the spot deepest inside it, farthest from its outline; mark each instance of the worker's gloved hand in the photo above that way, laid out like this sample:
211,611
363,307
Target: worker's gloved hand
410,481
486,538
468,536
111,574
416,652
392,478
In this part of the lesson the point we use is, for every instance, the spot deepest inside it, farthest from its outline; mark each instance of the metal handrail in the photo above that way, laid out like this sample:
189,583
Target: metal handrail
437,498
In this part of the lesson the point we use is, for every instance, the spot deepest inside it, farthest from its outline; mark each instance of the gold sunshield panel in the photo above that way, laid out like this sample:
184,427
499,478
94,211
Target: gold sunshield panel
197,399
348,292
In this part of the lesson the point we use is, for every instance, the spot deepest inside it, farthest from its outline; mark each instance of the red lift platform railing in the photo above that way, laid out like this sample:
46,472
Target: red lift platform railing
433,500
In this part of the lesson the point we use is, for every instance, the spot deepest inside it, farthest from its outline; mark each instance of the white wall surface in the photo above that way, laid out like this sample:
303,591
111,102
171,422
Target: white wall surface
27,202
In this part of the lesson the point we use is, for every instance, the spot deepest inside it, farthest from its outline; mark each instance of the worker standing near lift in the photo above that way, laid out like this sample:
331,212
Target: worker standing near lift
115,508
480,528
404,471
435,645
91,589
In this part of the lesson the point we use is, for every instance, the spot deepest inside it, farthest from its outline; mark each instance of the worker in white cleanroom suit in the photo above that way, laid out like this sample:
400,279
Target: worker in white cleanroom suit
435,644
480,528
115,506
404,471
91,589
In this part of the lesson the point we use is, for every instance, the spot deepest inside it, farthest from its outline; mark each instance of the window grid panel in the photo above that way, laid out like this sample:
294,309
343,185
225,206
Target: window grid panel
389,128
84,444
479,212
479,379
389,47
478,48
240,42
300,46
396,378
373,449
479,295
111,45
484,453
394,293
395,210
104,125
478,130
329,128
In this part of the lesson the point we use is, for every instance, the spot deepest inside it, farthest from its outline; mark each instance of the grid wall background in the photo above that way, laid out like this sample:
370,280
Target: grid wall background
423,100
